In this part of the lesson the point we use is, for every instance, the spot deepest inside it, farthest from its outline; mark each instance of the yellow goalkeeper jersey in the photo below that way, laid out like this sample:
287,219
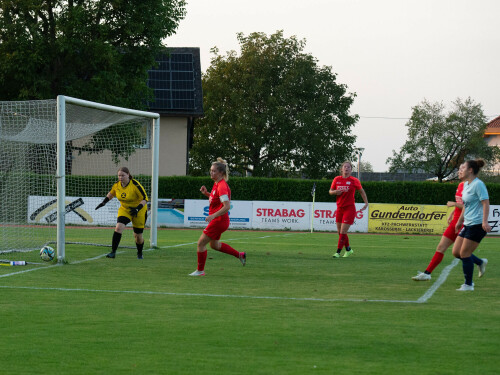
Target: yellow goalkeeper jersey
130,195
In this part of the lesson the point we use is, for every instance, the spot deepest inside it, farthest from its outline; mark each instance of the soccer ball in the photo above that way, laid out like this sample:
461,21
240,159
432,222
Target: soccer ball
47,253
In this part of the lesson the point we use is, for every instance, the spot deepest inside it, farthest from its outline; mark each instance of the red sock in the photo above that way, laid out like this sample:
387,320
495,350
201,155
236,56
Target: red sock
342,240
346,241
225,248
436,259
202,259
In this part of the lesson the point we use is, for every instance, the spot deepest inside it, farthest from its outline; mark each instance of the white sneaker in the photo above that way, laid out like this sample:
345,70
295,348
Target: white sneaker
197,273
421,276
482,267
243,258
466,288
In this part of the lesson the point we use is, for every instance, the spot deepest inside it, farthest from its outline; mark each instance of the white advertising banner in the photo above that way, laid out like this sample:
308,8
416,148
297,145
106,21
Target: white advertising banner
281,215
79,210
196,210
243,214
494,220
325,216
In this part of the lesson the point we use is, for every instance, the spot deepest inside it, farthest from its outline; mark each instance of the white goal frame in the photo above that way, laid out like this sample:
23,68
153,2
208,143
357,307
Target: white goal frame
61,158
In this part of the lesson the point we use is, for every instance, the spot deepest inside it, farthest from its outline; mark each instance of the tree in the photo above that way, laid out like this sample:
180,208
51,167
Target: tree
97,50
439,142
365,166
92,49
272,111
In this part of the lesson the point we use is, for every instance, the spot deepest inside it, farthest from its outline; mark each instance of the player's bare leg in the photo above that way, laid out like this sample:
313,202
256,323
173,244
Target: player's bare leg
225,248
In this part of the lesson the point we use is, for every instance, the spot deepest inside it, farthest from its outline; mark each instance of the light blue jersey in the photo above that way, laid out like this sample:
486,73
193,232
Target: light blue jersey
473,194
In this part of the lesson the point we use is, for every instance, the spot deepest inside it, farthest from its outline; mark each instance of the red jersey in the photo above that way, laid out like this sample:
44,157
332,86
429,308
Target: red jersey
219,189
349,186
458,199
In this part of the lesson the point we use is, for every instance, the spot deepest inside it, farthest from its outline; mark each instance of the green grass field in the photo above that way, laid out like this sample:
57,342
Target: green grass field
291,310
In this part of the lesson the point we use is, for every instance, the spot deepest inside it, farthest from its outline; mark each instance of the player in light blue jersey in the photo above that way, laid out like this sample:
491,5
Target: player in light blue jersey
474,218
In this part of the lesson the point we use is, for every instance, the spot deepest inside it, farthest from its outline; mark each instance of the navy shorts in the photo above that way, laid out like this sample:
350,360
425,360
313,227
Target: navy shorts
473,232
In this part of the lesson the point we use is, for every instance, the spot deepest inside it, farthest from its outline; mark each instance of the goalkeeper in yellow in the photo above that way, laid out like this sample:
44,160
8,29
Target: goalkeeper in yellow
133,208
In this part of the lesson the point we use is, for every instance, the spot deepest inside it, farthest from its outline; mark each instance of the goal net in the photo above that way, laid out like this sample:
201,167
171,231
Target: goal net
59,159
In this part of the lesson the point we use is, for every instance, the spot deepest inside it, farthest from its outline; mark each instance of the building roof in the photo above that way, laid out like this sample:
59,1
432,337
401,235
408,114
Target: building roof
493,127
176,82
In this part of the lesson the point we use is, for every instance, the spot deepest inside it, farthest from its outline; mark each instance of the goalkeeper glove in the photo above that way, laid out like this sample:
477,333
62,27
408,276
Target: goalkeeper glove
103,203
135,210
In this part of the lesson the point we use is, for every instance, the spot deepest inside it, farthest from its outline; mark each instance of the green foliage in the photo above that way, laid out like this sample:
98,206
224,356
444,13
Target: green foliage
438,143
299,190
96,50
107,139
489,177
178,187
410,192
365,166
273,111
255,188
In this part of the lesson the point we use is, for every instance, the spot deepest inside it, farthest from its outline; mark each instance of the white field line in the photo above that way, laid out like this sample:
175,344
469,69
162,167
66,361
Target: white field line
442,278
424,298
205,295
121,252
229,239
28,270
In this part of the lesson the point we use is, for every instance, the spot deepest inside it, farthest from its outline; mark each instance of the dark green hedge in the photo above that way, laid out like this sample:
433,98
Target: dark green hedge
277,189
242,188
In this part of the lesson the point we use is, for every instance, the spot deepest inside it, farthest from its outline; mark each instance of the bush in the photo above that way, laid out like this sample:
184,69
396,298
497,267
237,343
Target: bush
299,190
263,189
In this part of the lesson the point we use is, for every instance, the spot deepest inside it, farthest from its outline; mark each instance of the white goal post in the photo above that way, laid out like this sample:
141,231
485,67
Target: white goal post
58,160
62,102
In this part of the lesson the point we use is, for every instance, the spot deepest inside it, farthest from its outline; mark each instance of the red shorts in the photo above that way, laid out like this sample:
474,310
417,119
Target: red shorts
346,215
216,227
450,231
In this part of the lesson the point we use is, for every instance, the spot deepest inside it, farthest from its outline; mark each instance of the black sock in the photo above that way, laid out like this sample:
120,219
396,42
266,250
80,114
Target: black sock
140,246
338,251
348,248
116,241
468,268
476,260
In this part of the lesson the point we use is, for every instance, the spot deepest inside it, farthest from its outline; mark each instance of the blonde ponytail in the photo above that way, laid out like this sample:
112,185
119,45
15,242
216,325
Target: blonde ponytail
222,167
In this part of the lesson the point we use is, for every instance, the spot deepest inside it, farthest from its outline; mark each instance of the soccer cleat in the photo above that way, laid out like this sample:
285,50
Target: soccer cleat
348,253
466,288
111,255
139,256
421,276
197,273
336,255
482,267
243,258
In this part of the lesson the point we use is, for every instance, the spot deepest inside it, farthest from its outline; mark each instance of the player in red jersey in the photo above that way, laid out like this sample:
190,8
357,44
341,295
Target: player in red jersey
344,187
449,237
218,217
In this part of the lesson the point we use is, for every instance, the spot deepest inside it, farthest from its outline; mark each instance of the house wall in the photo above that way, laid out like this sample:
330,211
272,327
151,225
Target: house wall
173,146
493,140
172,154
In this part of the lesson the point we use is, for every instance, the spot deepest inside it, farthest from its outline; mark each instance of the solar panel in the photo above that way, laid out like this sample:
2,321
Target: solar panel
177,82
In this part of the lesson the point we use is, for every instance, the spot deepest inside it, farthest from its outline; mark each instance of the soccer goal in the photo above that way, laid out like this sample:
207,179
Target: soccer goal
59,158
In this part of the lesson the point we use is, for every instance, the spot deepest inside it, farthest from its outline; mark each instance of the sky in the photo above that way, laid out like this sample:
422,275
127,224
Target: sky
392,54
